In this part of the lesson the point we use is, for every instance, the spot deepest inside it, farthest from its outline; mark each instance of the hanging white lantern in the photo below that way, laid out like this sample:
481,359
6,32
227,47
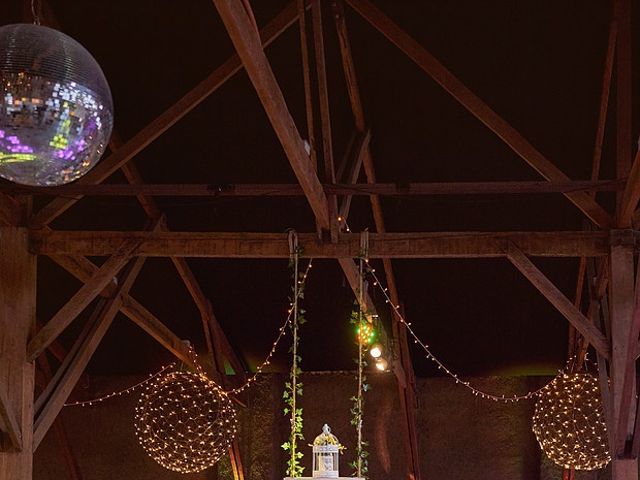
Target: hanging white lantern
56,110
326,453
326,449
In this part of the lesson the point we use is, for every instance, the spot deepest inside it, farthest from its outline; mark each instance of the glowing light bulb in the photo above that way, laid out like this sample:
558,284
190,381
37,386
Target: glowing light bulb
382,364
376,350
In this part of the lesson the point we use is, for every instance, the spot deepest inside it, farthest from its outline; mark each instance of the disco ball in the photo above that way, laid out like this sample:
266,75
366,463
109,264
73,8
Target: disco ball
56,111
185,422
569,422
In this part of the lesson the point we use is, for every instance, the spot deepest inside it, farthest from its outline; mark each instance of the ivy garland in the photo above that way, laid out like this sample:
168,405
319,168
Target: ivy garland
361,462
293,388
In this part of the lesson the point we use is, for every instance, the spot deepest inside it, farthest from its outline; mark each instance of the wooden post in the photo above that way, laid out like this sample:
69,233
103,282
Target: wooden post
622,307
17,319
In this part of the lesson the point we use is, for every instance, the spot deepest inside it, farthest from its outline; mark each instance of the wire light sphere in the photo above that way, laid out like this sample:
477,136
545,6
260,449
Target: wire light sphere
569,422
185,422
56,110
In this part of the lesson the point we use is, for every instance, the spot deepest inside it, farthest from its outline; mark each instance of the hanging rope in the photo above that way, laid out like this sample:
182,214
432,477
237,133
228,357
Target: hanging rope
361,466
293,388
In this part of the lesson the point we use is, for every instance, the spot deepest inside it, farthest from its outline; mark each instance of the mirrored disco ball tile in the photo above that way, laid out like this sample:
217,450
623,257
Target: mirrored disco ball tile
50,133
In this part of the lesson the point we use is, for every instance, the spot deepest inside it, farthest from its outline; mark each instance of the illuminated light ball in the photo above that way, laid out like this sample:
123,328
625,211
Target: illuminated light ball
56,111
365,333
569,422
185,422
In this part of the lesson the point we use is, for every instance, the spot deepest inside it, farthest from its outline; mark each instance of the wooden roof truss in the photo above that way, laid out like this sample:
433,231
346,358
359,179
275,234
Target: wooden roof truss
606,247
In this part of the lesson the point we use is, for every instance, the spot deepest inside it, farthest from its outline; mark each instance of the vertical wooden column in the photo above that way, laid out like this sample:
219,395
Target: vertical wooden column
622,302
17,318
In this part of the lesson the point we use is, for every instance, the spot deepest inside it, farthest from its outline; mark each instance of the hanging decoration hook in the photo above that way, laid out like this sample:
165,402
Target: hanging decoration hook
36,7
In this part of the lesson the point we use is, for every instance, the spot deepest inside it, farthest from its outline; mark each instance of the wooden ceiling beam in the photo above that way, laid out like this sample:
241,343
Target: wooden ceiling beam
216,334
215,337
9,420
83,269
158,330
275,245
51,385
9,211
595,168
630,196
247,43
293,189
58,425
558,299
624,95
360,147
325,114
476,106
403,364
167,119
80,300
83,353
243,36
121,287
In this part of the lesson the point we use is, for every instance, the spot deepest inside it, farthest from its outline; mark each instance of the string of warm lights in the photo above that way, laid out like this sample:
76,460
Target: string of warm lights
281,333
441,366
85,403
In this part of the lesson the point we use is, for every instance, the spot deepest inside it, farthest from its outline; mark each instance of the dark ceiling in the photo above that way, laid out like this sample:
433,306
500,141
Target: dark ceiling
537,63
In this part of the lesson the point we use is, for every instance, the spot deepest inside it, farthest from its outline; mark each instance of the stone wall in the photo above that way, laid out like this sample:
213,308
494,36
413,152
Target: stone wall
462,437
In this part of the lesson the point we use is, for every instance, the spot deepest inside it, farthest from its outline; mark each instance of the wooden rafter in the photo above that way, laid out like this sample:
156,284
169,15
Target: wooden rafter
631,195
596,160
218,338
17,318
325,114
598,287
597,311
247,44
244,39
406,382
9,211
558,299
60,431
628,367
622,303
83,269
167,119
360,146
64,365
87,345
214,336
81,299
476,106
360,152
9,420
624,98
275,245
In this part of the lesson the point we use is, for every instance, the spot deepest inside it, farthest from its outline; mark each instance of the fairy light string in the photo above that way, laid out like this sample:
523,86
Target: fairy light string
85,403
282,331
441,366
